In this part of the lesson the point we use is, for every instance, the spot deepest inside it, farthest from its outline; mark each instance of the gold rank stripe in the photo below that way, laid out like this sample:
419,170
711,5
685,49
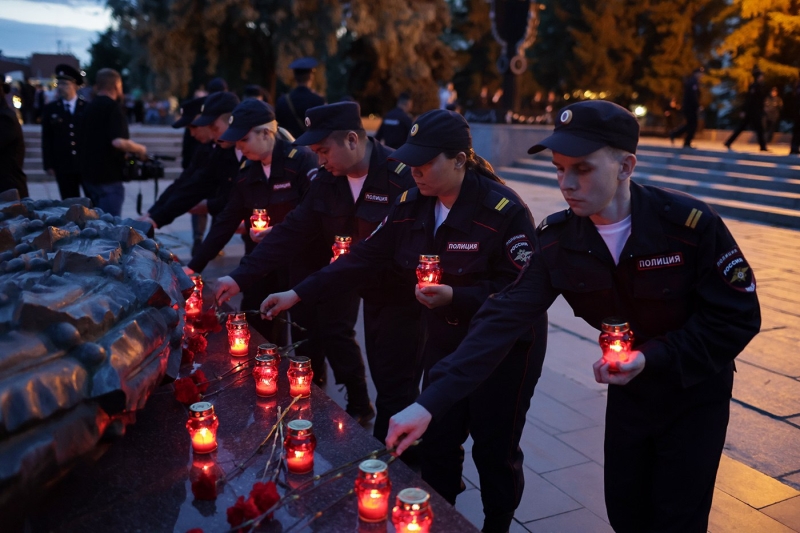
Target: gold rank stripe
694,217
292,153
501,204
244,162
400,168
403,197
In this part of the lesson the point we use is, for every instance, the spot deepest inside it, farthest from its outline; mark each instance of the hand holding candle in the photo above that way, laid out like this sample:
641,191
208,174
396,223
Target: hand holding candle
341,246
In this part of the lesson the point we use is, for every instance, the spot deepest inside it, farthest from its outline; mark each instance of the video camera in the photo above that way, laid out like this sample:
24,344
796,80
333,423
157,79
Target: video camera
137,170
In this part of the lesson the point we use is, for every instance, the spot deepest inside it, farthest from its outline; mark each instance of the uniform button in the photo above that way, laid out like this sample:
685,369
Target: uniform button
72,134
460,270
70,125
74,152
581,285
666,208
667,291
73,143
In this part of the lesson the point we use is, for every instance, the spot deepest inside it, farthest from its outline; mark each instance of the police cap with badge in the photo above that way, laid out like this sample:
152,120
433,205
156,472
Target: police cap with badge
323,120
216,104
585,127
304,64
248,115
189,110
68,73
431,134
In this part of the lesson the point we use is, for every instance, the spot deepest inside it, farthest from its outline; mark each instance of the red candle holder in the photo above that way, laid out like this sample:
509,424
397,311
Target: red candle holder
197,279
341,246
202,426
238,338
269,349
259,220
234,318
373,487
265,372
299,445
429,271
194,304
616,341
412,512
300,376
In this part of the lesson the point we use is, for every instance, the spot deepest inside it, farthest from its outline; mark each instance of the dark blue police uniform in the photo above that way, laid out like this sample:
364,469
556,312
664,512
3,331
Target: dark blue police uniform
394,128
483,243
60,144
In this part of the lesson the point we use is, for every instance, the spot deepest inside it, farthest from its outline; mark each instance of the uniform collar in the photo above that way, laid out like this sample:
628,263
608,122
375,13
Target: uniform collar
463,211
377,174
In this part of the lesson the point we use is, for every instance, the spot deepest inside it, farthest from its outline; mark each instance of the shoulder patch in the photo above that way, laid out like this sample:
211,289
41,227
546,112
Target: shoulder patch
519,250
400,167
292,154
686,211
554,219
735,271
408,196
497,202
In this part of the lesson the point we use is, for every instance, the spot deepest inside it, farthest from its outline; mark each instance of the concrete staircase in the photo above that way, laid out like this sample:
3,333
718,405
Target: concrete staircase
759,187
161,140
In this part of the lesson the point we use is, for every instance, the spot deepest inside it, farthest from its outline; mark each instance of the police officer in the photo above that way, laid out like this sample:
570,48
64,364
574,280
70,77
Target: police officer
351,194
208,189
276,181
291,108
664,262
484,235
61,122
690,109
396,123
753,112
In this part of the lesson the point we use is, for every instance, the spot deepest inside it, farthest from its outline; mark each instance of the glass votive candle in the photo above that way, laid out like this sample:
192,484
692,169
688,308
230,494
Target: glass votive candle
412,512
300,376
299,445
341,246
259,220
616,341
372,490
197,279
269,349
429,271
239,338
202,426
265,372
234,318
194,304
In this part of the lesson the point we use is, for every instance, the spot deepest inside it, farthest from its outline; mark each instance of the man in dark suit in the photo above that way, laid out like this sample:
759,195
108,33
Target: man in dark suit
752,112
395,125
290,110
61,123
691,108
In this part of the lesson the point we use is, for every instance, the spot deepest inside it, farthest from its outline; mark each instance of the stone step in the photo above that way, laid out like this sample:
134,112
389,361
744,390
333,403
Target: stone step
726,202
39,175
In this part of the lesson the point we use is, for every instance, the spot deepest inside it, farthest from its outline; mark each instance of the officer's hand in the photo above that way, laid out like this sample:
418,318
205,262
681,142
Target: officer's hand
224,289
200,209
407,426
623,373
280,301
434,295
188,271
258,235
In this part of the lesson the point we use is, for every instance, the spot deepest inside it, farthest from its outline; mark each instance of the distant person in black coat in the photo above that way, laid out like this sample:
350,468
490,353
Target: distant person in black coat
12,148
795,144
61,124
290,109
753,112
394,128
691,108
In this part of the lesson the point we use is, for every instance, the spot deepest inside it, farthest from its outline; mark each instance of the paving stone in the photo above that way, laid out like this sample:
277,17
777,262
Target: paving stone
773,351
557,415
768,445
793,480
594,408
544,453
786,512
749,485
584,484
729,515
588,442
469,504
541,499
562,388
767,391
516,527
470,472
580,521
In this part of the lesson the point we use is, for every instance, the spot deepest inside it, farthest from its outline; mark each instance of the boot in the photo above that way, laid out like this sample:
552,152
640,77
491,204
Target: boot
358,404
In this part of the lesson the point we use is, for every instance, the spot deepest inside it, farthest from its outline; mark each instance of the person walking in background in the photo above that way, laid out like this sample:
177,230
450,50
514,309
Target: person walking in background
752,112
396,123
691,108
61,128
773,105
795,144
290,109
12,147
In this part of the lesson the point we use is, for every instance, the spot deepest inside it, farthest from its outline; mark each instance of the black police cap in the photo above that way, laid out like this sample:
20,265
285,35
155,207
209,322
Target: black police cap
246,116
431,134
189,110
216,104
586,127
304,63
66,72
323,120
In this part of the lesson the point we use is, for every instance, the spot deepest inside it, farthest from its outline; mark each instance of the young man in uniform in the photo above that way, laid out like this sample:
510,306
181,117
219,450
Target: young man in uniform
662,261
290,109
351,194
61,123
395,125
276,181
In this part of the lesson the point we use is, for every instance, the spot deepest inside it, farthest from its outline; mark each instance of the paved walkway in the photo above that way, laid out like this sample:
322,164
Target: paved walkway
757,487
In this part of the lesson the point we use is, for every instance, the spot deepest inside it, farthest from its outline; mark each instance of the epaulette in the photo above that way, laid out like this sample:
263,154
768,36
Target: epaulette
686,211
554,219
408,196
244,164
292,153
497,202
398,167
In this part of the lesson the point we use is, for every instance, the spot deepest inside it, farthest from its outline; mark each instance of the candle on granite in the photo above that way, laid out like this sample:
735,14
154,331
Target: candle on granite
300,376
412,512
299,445
372,489
238,338
265,373
202,426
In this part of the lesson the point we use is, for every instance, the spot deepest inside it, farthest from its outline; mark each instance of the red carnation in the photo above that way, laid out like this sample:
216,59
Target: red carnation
242,510
186,391
187,356
208,321
265,495
199,378
195,530
205,488
196,344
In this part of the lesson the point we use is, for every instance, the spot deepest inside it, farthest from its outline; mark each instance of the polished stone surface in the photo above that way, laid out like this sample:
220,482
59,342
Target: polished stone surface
142,481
